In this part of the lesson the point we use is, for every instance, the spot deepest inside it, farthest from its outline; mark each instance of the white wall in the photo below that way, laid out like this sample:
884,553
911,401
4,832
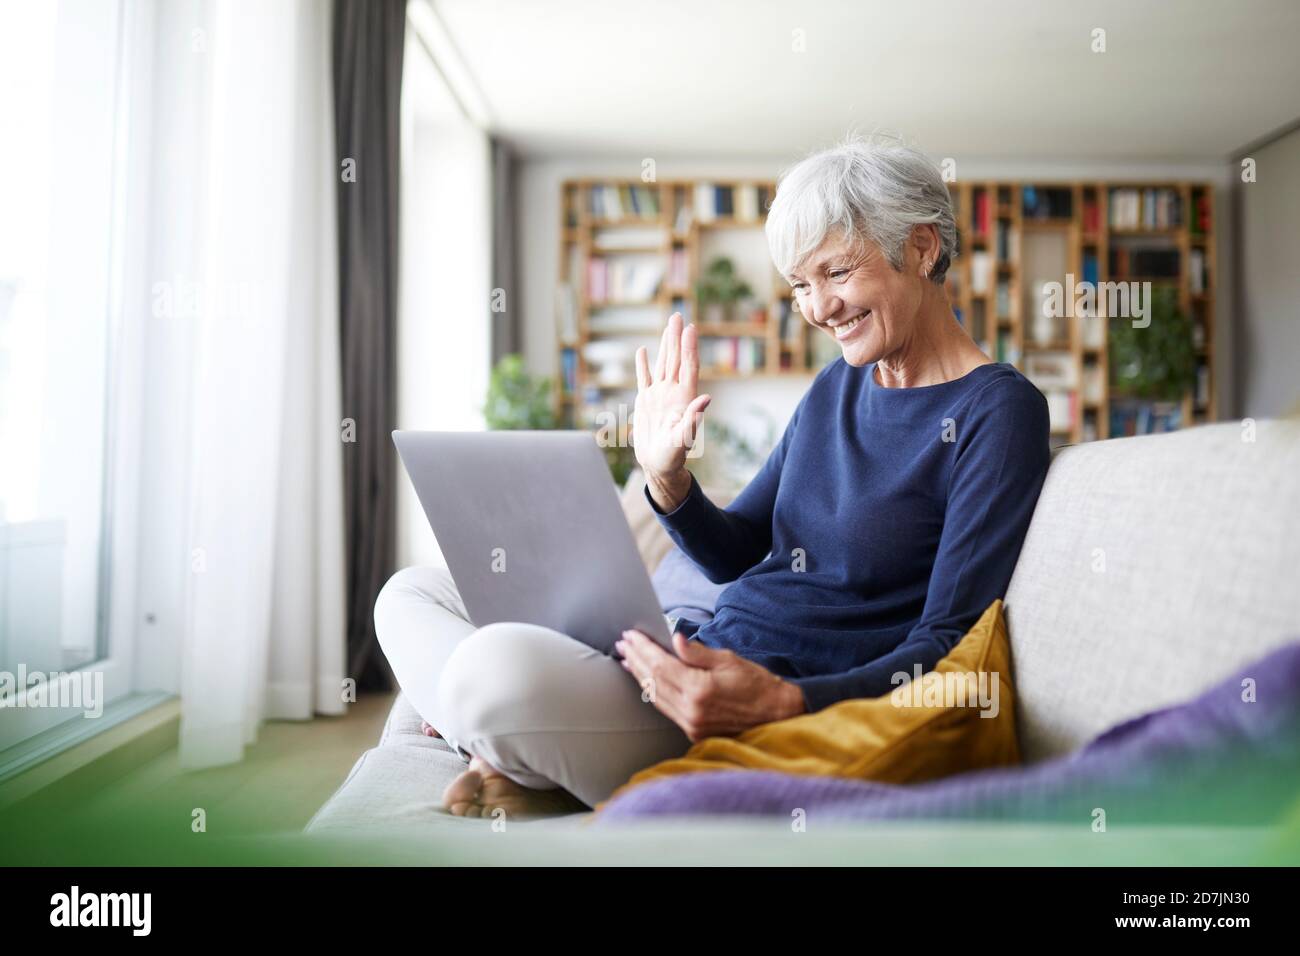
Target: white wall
1268,360
539,220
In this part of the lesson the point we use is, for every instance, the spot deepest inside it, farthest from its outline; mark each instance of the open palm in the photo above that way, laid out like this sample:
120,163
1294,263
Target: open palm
667,414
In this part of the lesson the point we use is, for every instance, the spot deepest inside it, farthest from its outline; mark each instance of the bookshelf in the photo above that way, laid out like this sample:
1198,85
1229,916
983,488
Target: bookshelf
650,239
632,252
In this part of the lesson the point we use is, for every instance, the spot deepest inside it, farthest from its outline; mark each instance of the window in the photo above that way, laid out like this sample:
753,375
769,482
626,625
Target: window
444,339
59,103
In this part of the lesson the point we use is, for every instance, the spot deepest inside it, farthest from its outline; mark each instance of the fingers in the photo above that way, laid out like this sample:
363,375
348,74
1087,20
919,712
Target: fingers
665,693
696,654
662,358
674,346
647,660
690,371
642,368
689,426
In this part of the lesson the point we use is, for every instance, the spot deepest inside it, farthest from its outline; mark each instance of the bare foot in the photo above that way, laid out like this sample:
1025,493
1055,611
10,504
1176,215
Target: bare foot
482,789
426,728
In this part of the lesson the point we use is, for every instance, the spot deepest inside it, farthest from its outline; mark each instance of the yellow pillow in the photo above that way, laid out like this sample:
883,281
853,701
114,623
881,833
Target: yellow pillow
924,729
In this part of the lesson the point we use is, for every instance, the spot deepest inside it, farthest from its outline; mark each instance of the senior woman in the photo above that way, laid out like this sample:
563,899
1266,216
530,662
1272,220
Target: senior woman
886,520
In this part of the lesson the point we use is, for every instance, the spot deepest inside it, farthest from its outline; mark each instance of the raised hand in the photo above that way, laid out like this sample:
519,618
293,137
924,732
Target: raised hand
667,414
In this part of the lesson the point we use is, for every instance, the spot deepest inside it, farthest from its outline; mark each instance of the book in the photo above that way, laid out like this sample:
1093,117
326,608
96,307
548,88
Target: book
1126,262
1091,216
981,272
1091,268
684,218
1196,270
1048,202
623,279
627,237
566,313
982,213
568,371
706,207
623,201
1150,208
1130,417
678,270
722,201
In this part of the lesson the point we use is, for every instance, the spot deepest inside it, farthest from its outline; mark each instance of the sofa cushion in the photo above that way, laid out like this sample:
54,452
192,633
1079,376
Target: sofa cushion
399,781
683,590
651,539
1153,567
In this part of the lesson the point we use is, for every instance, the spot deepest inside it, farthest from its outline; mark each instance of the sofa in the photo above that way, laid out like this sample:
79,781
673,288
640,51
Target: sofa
1154,567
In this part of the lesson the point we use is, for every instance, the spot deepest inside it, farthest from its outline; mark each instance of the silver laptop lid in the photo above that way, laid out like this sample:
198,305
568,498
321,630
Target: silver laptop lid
532,530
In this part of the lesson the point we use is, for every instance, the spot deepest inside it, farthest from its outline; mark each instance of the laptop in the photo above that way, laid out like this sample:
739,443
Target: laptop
532,530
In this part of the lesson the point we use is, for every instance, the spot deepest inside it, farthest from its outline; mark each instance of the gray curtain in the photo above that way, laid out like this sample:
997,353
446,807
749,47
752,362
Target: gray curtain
507,334
367,67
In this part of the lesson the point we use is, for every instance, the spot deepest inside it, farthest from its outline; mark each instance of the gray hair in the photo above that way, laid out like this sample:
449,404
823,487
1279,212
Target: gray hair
876,189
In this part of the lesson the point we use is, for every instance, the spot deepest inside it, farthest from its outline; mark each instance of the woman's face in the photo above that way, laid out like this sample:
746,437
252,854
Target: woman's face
854,295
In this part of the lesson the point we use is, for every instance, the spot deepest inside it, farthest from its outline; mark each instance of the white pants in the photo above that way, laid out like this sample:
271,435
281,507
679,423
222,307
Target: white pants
544,709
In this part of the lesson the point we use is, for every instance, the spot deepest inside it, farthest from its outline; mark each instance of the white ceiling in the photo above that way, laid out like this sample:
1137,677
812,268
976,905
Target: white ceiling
1181,79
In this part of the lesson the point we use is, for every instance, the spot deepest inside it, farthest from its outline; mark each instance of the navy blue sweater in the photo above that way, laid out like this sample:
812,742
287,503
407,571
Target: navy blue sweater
880,528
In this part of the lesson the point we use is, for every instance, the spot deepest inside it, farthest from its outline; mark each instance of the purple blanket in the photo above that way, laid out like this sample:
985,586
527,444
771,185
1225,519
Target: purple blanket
1214,759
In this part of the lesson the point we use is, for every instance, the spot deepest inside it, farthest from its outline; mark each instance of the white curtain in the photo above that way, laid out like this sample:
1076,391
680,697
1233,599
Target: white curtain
262,609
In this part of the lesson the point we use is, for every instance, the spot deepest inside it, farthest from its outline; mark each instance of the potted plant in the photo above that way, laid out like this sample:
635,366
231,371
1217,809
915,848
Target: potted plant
719,289
1156,362
518,401
515,400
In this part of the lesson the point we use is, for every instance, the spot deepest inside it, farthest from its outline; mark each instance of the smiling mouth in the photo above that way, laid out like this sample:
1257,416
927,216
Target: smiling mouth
845,330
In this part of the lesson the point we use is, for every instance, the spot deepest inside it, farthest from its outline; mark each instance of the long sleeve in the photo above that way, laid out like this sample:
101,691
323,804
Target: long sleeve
998,471
726,542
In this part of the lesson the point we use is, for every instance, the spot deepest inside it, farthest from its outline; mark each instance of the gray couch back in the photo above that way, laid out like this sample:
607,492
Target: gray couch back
1153,568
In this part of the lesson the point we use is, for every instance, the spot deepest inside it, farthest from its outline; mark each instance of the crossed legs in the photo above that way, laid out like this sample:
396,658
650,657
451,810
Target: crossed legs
538,711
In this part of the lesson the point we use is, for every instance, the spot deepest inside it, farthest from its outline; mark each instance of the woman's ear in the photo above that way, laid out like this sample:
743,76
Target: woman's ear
925,241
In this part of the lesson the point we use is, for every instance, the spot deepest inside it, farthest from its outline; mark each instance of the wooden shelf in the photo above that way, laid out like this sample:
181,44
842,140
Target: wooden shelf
1141,233
756,341
649,331
729,329
1087,233
628,221
598,251
729,222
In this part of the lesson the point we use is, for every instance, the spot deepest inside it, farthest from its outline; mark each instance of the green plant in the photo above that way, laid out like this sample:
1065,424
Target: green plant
1158,361
719,285
621,460
515,400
